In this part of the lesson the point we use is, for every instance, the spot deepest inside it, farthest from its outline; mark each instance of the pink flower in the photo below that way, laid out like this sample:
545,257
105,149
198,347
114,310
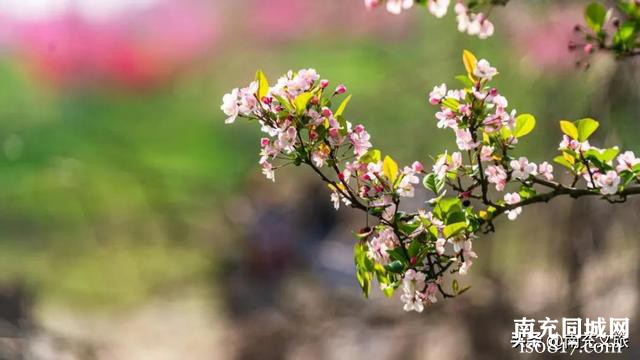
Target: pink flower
447,119
341,89
486,153
371,4
608,182
484,70
626,161
522,168
464,140
546,170
359,138
381,243
469,256
510,199
496,175
437,94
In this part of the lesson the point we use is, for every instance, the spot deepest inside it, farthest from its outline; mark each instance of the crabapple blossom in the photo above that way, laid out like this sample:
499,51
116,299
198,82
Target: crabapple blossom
438,7
413,297
464,139
437,94
627,161
396,6
484,70
510,199
522,168
608,182
497,176
546,170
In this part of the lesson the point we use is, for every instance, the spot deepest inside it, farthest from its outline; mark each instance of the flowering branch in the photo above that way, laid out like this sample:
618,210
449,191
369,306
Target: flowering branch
472,16
612,30
416,250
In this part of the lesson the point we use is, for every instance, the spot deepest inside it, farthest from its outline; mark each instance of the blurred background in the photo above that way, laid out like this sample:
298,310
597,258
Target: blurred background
135,225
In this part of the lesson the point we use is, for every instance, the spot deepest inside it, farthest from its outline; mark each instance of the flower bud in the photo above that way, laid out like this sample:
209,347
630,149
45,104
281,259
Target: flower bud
324,83
341,89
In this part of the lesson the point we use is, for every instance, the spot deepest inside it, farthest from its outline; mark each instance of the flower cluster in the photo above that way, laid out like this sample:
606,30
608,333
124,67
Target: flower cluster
471,19
416,252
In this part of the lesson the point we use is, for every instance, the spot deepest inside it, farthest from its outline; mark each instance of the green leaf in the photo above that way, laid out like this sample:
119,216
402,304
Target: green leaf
302,101
263,84
284,102
414,247
343,106
466,82
398,254
451,103
455,217
433,183
390,169
527,192
395,267
625,38
595,15
453,229
371,156
586,127
569,129
455,286
562,161
525,123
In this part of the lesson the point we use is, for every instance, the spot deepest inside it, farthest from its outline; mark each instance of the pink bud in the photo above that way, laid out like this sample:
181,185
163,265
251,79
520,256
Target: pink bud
341,89
324,83
264,142
267,100
588,48
493,92
326,112
413,260
417,166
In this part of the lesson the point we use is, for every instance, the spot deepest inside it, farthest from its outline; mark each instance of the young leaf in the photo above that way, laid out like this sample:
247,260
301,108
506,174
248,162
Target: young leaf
586,127
371,156
525,123
302,101
569,129
464,79
595,15
390,169
453,229
562,161
263,84
470,62
343,106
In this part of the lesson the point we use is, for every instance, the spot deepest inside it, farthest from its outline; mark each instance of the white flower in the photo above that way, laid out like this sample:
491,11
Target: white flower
484,70
396,6
438,7
230,106
510,199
